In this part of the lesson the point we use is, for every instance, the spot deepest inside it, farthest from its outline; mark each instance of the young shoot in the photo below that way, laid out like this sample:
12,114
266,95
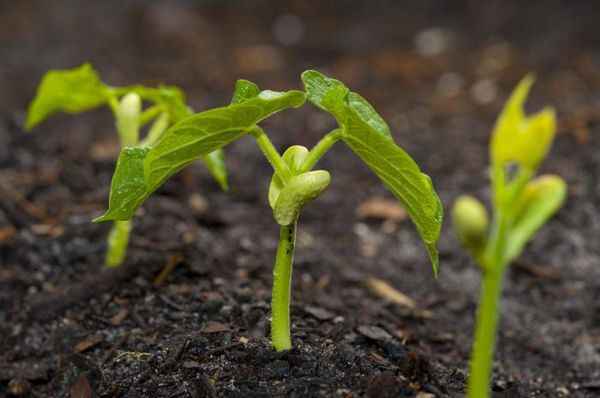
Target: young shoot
521,205
140,171
80,89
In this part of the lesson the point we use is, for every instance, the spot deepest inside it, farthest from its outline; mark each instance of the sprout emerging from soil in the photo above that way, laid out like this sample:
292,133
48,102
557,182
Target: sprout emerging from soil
141,170
521,205
80,89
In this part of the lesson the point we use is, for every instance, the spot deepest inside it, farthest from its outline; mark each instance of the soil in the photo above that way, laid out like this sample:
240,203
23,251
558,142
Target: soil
188,315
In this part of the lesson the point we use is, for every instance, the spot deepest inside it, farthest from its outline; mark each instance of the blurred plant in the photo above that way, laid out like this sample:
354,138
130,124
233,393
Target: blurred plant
522,204
80,89
140,171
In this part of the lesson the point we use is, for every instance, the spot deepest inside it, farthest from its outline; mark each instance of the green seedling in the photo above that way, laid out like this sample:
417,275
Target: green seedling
521,205
140,171
80,89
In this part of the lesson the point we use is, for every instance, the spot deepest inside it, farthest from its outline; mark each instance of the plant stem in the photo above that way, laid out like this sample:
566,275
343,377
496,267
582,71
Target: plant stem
320,149
282,279
117,241
271,153
485,332
156,130
486,327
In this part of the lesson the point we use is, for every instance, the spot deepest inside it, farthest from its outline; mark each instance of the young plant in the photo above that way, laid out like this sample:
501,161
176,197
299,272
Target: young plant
521,205
80,89
140,171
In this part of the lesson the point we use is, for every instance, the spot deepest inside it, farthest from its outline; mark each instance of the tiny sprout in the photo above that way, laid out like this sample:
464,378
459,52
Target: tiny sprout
521,206
471,222
80,89
140,171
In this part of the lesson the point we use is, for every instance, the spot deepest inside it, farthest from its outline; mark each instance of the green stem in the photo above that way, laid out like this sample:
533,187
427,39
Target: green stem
486,327
320,149
149,114
282,279
265,144
485,333
157,129
117,242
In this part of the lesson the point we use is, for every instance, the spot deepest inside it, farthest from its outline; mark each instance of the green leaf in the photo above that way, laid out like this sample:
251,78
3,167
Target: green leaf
540,200
127,187
523,139
72,91
189,140
244,90
367,134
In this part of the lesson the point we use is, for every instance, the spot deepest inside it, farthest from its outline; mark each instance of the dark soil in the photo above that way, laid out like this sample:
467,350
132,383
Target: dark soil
70,328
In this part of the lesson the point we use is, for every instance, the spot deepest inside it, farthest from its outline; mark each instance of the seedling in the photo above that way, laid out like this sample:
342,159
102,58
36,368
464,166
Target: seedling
140,171
521,205
80,89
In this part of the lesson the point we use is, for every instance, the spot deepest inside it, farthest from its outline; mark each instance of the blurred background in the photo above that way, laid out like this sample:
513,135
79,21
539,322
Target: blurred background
437,71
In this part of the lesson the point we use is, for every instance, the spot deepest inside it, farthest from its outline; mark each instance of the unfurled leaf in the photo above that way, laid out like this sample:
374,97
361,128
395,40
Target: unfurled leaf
541,199
296,194
72,91
189,140
523,139
127,187
367,134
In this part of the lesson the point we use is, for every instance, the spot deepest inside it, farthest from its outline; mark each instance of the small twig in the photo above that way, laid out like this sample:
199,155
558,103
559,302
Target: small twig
218,350
172,262
15,196
114,348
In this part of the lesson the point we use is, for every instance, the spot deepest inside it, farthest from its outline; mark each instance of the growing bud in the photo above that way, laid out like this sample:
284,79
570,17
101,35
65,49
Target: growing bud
296,194
520,138
471,222
294,156
128,119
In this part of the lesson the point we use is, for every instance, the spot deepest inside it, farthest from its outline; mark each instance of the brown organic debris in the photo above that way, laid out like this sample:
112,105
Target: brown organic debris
381,209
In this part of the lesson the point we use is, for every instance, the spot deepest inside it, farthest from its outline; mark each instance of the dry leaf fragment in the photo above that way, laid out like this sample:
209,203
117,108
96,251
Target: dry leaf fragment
89,342
381,209
384,290
214,327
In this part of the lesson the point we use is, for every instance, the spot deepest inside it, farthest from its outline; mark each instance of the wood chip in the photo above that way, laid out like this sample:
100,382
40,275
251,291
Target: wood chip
319,313
18,387
381,209
384,290
89,342
81,388
172,262
374,333
119,317
214,327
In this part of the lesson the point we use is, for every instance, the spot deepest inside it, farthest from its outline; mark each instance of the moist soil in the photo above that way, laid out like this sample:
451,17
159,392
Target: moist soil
188,315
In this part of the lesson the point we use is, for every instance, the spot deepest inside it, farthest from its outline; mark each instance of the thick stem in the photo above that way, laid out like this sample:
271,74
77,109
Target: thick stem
274,158
282,279
117,242
320,149
485,333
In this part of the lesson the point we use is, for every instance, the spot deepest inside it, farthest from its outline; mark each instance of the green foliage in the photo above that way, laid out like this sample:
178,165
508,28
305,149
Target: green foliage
367,134
140,171
80,89
72,91
541,199
186,142
521,206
